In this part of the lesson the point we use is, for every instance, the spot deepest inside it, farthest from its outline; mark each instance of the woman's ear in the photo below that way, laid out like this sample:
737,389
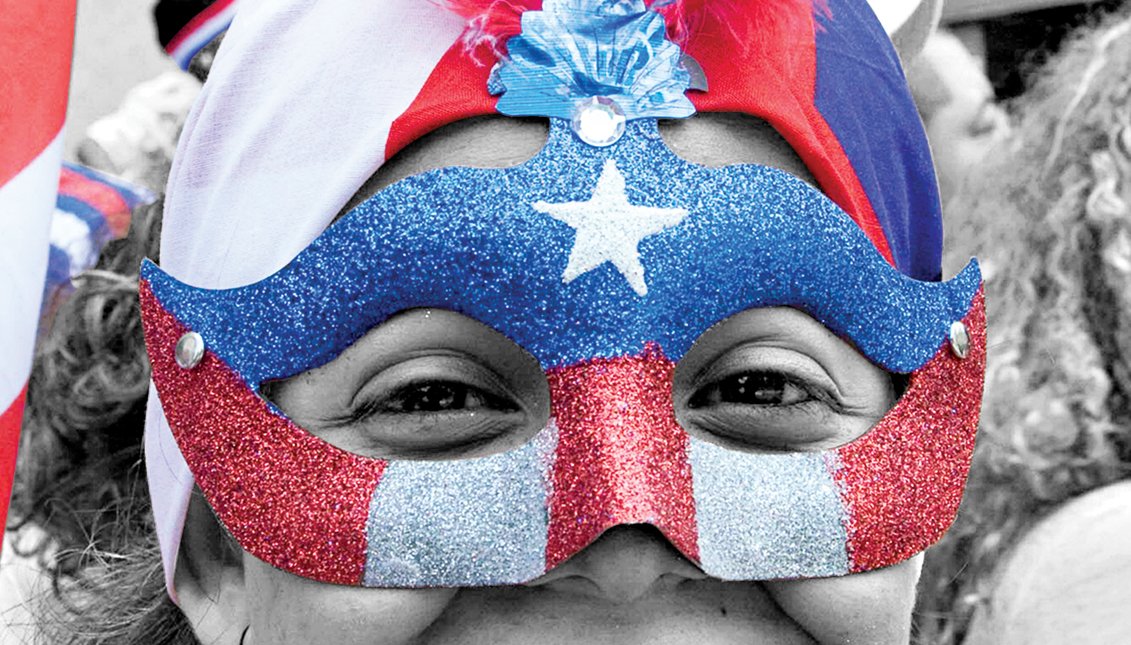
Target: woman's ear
209,577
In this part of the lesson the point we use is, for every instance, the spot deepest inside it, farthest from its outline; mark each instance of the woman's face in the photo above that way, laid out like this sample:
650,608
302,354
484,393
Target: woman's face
436,385
962,119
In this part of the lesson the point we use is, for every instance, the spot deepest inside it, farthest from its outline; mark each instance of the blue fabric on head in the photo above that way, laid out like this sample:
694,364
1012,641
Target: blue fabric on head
863,96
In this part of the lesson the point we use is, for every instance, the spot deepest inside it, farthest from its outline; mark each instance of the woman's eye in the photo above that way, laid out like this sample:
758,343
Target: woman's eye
774,379
438,396
752,388
786,404
763,410
432,408
426,384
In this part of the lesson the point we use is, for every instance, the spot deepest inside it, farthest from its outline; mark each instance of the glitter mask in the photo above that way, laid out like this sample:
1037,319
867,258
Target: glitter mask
605,260
607,323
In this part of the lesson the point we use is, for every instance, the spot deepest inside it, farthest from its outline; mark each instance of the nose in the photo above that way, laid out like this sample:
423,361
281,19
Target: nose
621,458
625,563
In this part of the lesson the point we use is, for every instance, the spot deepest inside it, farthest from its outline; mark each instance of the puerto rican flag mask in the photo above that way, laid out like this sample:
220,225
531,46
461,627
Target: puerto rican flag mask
604,257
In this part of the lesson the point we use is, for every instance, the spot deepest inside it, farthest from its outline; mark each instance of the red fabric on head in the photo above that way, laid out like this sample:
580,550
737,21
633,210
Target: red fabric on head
746,23
776,82
456,89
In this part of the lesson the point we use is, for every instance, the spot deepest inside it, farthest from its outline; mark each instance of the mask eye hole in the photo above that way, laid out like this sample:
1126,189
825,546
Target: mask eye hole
427,384
776,380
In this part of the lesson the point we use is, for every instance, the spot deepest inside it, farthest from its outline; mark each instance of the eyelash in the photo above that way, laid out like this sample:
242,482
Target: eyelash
394,403
798,413
725,388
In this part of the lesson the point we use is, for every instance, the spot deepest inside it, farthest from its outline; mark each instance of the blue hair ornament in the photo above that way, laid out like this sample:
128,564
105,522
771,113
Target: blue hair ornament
577,55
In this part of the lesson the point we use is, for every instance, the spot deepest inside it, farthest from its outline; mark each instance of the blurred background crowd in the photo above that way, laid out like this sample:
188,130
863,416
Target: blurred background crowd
1027,106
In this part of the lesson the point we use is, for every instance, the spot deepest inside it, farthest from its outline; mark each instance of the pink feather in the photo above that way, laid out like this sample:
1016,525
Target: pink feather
492,22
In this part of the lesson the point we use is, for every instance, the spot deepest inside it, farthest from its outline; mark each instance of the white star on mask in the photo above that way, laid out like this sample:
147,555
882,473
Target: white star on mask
609,229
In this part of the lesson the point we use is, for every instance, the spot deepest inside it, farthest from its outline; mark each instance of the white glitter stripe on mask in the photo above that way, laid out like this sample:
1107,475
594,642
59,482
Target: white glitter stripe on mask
470,522
766,516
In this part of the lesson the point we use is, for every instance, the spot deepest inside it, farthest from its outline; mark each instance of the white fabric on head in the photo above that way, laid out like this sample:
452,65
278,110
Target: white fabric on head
292,121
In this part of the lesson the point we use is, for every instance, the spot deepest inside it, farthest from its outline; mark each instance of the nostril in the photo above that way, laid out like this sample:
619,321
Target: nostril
625,563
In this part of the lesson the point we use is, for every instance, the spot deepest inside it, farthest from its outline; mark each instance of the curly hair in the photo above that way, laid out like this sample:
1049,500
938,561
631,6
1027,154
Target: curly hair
80,473
117,598
1050,218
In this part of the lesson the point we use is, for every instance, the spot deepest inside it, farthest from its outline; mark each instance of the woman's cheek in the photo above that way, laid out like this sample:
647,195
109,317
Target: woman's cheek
869,607
285,608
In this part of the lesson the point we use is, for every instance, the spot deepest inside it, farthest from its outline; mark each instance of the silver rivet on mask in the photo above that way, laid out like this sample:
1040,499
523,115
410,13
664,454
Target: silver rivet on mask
190,349
695,70
959,339
598,121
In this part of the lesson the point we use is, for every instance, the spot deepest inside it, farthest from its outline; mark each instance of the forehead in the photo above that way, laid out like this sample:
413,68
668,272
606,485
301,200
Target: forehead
710,139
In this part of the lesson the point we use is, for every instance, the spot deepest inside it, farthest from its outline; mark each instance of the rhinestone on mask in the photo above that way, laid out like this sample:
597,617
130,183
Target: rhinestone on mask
959,339
189,351
598,121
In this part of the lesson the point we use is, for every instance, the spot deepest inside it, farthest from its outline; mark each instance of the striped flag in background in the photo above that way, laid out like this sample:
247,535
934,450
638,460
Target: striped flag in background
36,40
184,27
92,208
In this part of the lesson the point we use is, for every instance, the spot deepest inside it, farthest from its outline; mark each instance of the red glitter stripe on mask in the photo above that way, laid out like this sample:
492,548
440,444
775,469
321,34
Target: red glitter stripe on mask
621,456
902,482
289,498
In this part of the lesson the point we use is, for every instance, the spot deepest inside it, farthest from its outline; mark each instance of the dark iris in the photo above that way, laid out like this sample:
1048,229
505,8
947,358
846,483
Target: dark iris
433,397
759,388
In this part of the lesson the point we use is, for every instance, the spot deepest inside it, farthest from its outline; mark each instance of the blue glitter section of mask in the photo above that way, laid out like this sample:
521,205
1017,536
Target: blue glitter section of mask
576,49
767,516
477,522
470,241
